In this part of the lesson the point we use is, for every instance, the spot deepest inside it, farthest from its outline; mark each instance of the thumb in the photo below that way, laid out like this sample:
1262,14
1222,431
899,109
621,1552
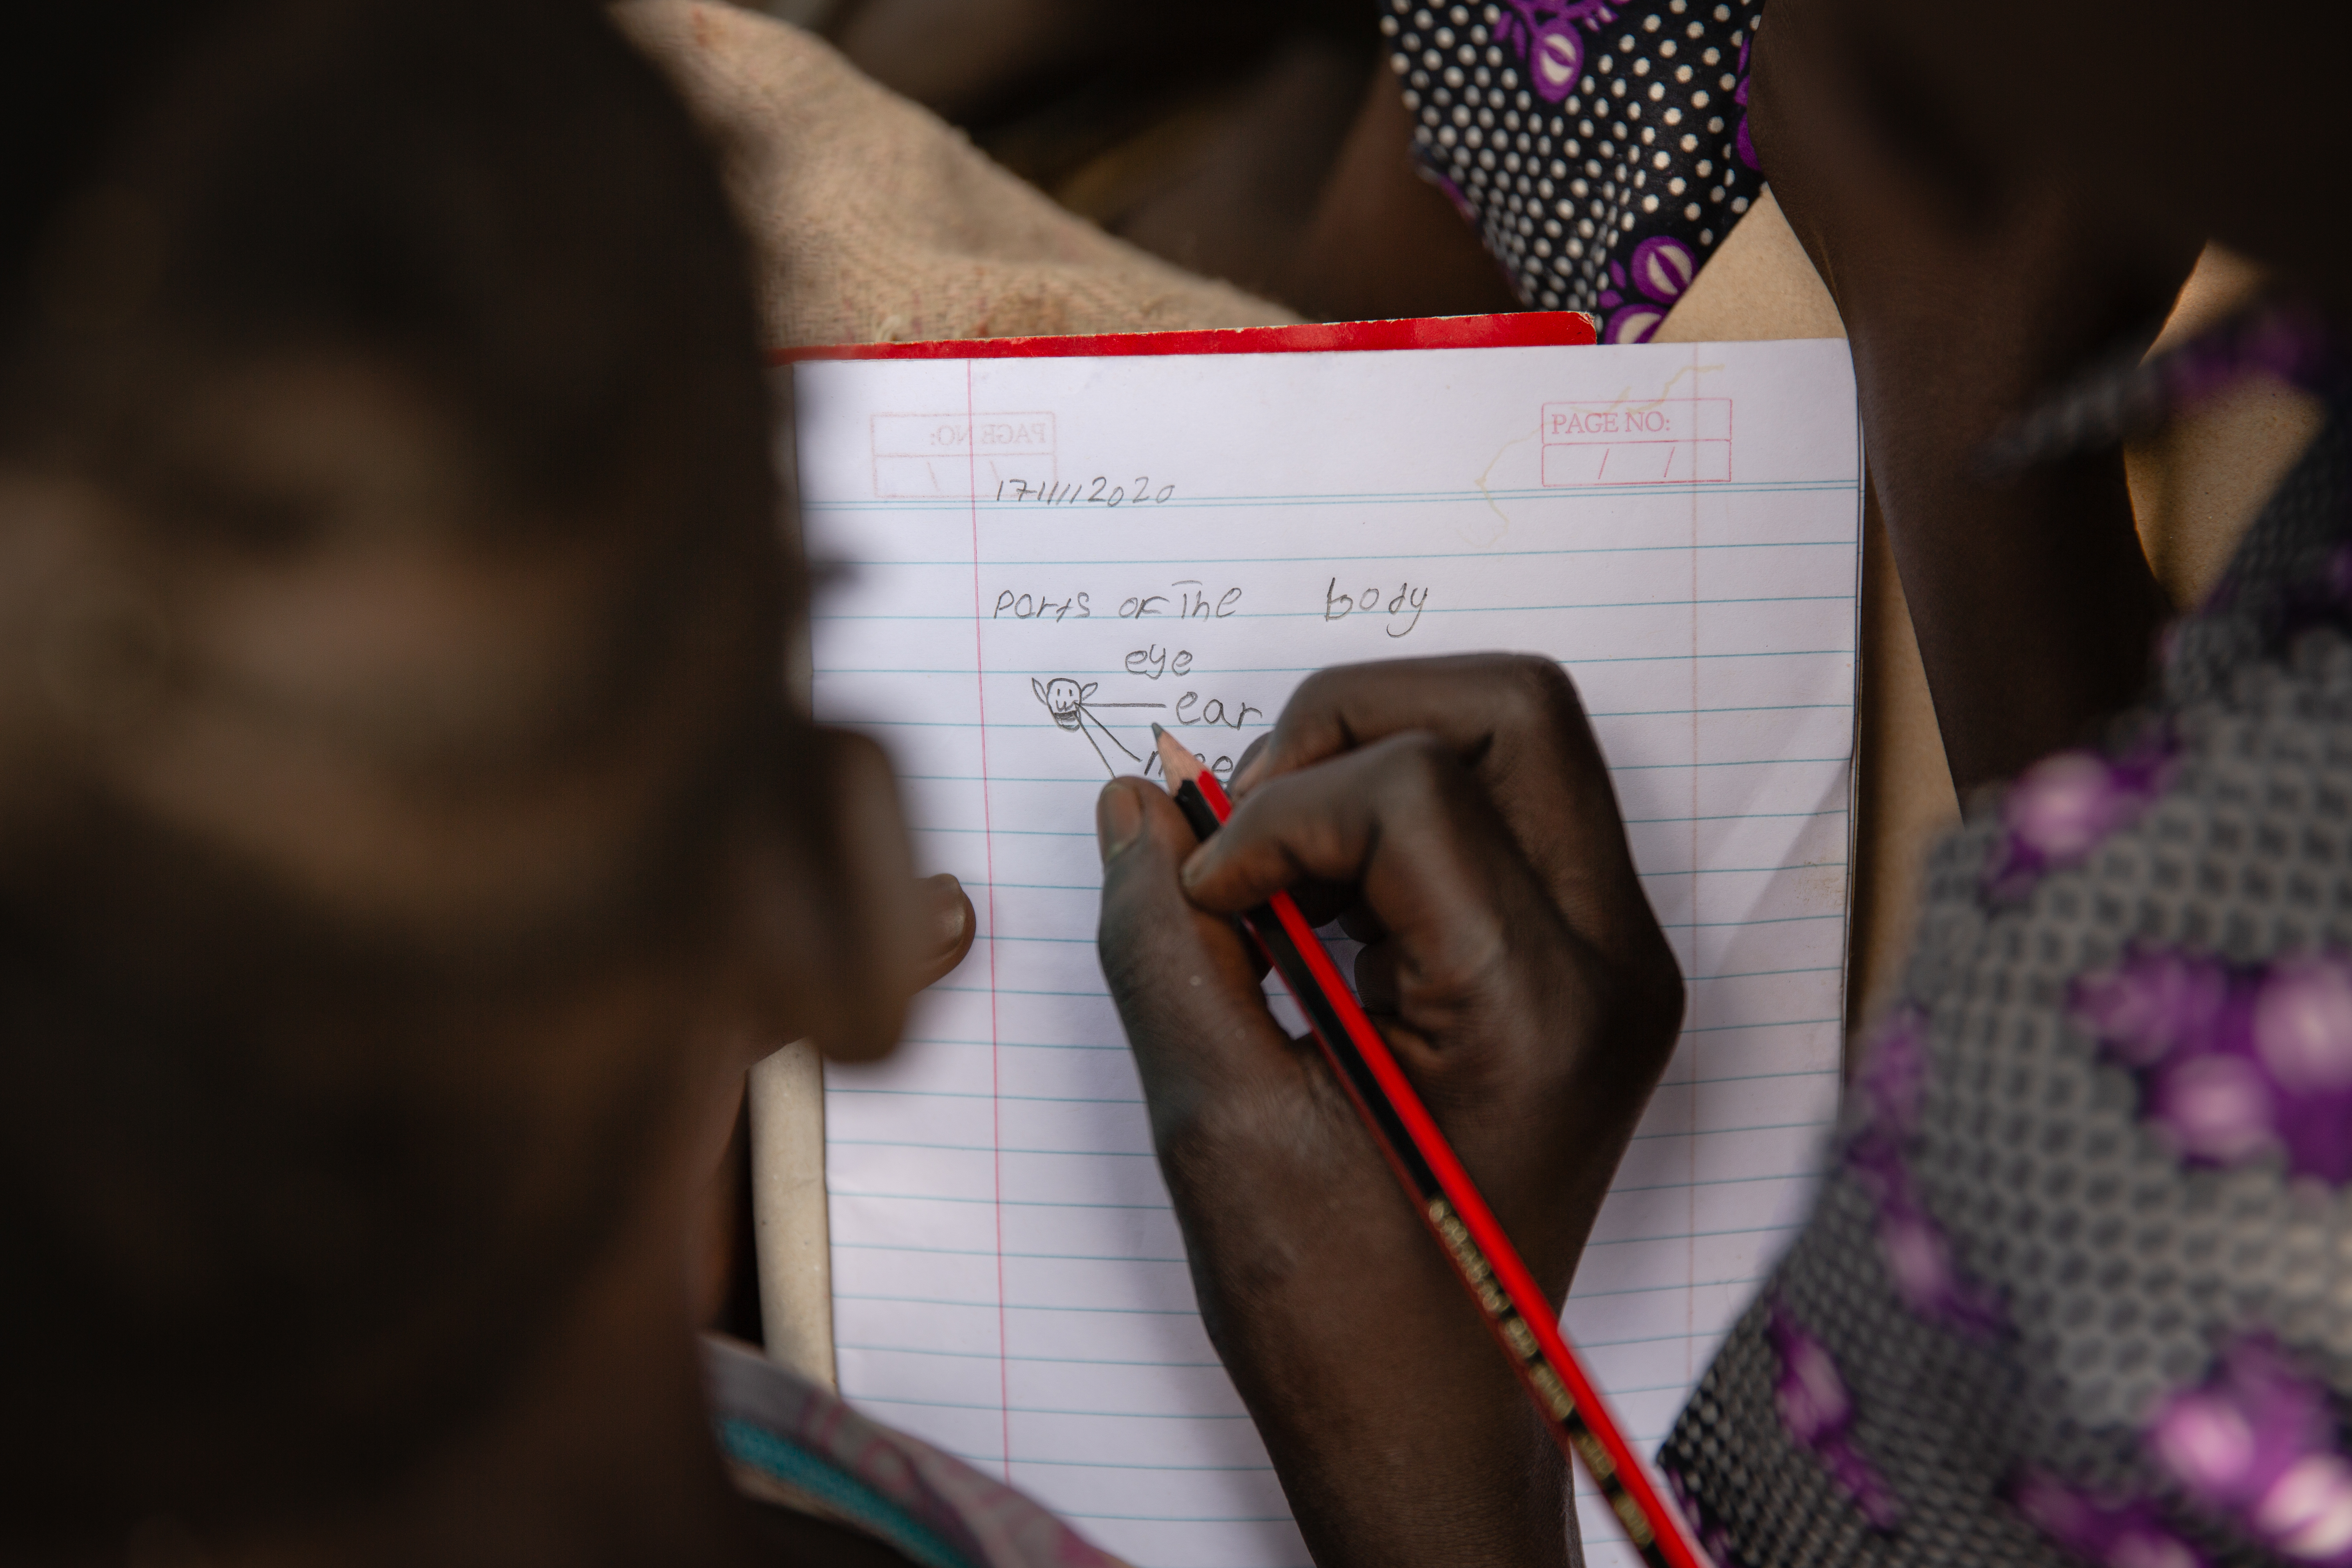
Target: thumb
947,918
1183,980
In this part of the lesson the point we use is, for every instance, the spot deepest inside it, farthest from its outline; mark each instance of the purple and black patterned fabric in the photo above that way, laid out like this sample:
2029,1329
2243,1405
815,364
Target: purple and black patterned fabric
1599,146
2079,1285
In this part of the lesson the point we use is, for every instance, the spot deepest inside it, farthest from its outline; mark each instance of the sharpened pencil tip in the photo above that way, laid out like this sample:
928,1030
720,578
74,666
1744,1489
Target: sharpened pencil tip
1181,765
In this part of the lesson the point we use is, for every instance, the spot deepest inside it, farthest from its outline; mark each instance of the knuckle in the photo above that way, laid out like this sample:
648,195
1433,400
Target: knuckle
1312,704
1669,995
1539,691
1480,953
1314,693
1301,731
1651,994
1416,770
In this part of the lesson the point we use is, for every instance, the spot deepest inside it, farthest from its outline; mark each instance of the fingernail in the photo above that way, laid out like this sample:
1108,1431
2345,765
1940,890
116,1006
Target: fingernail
1118,819
948,918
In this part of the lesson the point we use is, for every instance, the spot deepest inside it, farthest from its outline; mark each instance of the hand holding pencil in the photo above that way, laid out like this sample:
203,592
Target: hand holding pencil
1456,815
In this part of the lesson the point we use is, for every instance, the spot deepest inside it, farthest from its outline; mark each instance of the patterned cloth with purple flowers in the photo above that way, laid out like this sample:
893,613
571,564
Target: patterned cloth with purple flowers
2078,1288
1599,146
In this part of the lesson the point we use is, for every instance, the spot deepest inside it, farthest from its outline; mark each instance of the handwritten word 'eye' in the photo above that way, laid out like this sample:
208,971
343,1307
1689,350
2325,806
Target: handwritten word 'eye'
1155,661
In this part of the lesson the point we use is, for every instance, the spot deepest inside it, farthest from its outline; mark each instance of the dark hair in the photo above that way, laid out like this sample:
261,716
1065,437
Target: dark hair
276,1189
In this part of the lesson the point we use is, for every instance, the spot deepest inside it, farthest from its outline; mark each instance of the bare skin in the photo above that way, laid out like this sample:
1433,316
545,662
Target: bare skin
1457,814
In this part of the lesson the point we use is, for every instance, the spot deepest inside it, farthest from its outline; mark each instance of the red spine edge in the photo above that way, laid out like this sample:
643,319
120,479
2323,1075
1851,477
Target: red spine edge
1517,330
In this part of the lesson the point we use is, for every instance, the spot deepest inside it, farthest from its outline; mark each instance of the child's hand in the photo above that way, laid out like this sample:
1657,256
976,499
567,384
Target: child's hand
947,917
1461,809
834,944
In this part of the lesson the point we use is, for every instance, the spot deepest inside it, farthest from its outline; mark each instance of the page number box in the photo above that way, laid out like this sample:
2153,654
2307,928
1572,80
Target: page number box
1667,441
960,455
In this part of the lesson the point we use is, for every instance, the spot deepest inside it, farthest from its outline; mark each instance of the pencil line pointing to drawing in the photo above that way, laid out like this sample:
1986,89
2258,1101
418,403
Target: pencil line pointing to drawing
1068,703
1098,751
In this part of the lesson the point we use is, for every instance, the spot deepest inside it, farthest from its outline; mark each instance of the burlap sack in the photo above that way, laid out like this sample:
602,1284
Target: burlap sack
878,223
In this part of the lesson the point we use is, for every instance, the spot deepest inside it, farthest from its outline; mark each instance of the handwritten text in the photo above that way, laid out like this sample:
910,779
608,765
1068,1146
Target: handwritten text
1406,604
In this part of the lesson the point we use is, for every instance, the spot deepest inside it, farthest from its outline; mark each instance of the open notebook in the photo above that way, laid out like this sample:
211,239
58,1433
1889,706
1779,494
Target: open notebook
1044,554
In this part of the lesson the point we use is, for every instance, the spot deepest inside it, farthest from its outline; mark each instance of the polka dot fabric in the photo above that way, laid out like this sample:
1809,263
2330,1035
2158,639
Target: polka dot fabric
2130,1278
1600,148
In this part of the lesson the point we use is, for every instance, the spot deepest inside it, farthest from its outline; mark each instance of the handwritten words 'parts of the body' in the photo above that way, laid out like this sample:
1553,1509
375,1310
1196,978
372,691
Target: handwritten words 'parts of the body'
1187,599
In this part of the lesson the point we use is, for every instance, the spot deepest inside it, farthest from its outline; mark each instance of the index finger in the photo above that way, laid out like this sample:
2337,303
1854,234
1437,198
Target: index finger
1515,719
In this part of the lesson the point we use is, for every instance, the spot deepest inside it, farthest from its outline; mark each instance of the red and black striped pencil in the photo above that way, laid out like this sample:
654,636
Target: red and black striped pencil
1490,1267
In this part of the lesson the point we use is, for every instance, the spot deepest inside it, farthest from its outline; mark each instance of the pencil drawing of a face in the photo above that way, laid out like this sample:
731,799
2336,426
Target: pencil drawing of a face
1073,708
1063,698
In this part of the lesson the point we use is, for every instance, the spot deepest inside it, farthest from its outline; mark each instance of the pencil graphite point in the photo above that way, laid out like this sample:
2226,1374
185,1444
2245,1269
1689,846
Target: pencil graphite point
1181,766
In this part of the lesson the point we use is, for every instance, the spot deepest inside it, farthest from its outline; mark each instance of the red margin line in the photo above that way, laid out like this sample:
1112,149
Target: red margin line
1691,1068
988,839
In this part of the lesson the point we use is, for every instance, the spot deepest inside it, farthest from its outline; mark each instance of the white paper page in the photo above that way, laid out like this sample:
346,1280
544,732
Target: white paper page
1046,555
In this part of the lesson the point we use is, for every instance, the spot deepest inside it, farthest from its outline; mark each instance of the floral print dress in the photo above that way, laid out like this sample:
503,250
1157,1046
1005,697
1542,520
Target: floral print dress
2079,1287
1600,147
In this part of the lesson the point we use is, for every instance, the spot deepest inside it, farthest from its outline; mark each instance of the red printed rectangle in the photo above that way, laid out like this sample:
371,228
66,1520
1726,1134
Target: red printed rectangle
956,455
1674,440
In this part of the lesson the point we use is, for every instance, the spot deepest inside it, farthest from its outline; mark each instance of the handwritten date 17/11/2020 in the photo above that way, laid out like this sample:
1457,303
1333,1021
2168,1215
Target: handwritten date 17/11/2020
1100,490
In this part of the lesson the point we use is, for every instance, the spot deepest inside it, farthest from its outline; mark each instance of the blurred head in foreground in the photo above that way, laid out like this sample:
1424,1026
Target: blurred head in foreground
399,840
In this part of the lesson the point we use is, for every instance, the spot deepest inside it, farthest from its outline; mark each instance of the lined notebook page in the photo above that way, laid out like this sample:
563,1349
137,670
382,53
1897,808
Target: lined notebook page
1044,556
